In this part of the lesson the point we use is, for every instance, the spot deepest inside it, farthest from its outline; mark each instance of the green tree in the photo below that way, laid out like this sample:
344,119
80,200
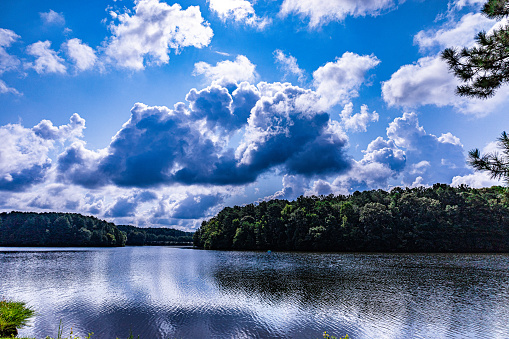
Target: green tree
496,164
484,67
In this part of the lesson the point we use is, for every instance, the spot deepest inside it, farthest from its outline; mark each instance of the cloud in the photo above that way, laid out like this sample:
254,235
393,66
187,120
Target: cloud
429,82
126,206
289,65
227,71
293,187
240,11
408,157
457,34
444,156
476,180
359,121
81,54
155,28
47,60
74,129
7,61
53,18
188,145
195,206
339,81
284,129
6,89
322,12
23,157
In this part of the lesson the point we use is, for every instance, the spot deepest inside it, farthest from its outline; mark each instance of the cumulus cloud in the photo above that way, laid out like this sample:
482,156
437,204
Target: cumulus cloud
195,206
457,34
189,144
23,158
81,54
293,187
339,81
322,12
429,82
52,18
74,129
126,206
242,69
409,156
289,65
155,28
240,11
283,129
359,121
7,61
47,60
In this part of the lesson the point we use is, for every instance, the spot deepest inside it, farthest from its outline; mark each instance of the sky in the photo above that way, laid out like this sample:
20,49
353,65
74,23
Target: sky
160,114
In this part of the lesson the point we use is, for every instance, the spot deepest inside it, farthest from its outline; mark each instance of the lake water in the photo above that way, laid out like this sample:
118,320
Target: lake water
165,292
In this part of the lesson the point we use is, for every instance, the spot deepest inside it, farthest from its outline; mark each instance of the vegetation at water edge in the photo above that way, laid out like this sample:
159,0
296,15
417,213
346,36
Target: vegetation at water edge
422,219
13,315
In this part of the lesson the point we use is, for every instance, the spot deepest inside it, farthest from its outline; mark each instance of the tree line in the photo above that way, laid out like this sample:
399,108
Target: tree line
137,236
435,219
57,229
72,229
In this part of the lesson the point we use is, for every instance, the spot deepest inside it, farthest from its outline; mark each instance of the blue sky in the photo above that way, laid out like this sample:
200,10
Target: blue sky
159,113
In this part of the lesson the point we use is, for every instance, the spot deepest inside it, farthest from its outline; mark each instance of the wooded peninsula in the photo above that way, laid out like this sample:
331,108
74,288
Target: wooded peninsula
435,219
72,229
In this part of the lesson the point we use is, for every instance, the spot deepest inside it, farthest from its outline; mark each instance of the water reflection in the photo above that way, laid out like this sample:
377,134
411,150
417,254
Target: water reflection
161,292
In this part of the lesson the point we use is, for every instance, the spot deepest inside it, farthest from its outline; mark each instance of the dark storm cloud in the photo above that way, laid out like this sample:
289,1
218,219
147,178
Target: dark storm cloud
188,145
126,206
196,206
22,180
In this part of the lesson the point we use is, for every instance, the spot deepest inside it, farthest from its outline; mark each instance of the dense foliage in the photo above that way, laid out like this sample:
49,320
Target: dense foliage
484,67
57,229
13,315
437,219
155,236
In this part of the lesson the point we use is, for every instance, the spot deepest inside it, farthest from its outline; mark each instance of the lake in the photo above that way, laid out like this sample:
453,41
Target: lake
166,292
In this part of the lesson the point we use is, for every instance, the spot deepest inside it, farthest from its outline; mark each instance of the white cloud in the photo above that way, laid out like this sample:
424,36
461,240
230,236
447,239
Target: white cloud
155,27
73,130
241,11
47,60
53,18
359,121
458,34
7,61
476,180
322,12
429,82
293,187
289,65
339,81
459,4
227,71
6,89
449,138
81,54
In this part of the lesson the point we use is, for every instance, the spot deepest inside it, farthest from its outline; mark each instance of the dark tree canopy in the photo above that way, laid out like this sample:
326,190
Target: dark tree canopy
484,67
436,219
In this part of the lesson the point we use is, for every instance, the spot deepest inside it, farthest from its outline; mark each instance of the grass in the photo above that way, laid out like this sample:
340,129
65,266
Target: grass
13,315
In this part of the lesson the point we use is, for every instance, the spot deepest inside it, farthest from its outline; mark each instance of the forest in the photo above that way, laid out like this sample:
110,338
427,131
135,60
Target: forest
137,236
57,229
72,229
434,219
